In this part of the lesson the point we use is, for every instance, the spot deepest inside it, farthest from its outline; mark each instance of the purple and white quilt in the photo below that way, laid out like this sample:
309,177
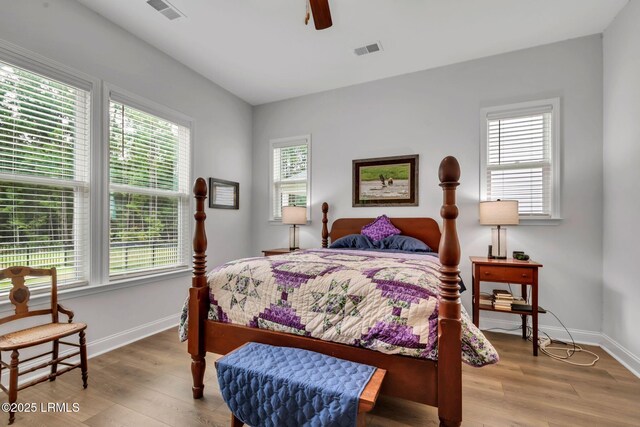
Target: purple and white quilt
380,301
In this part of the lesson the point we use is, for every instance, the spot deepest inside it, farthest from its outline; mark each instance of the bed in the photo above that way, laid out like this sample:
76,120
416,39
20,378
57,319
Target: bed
411,374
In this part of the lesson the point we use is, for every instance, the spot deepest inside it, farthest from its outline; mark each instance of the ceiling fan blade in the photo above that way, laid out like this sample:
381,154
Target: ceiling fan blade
321,14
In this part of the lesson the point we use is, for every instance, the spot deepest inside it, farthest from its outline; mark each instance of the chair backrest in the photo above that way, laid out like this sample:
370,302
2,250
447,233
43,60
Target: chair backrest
19,294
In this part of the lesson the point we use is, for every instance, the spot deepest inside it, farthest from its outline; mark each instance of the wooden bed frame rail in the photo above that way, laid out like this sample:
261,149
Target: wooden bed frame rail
442,379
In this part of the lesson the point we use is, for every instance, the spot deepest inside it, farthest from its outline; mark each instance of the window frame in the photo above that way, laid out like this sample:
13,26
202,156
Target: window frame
97,229
517,110
38,64
282,143
116,94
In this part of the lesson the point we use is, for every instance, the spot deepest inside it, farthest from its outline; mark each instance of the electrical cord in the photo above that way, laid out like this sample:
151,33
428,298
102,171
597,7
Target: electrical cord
544,346
544,343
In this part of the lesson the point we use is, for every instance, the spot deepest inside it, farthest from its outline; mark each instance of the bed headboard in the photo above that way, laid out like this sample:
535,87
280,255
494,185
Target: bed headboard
425,229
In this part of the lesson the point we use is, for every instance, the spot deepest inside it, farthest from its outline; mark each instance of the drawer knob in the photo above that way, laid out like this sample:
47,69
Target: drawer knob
487,273
524,274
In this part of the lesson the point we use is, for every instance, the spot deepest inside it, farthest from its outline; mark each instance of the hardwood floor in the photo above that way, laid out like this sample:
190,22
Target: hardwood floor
148,383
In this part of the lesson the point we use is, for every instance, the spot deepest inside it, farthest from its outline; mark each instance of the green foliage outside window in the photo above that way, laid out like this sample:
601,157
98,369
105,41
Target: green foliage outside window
44,185
144,154
41,133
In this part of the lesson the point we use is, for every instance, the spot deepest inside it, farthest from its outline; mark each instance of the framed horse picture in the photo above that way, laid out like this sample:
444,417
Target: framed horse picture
386,181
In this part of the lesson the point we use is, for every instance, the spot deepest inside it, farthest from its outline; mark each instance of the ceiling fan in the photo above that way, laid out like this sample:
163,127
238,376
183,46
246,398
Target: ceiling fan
321,14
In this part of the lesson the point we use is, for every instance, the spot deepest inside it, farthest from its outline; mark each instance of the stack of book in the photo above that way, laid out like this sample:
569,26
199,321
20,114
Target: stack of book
502,300
486,300
519,304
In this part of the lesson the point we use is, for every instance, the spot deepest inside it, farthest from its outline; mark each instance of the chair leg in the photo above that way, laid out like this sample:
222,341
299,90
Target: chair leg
54,356
13,383
83,359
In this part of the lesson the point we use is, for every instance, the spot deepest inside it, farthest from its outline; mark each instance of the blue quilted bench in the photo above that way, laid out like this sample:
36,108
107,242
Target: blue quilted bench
267,386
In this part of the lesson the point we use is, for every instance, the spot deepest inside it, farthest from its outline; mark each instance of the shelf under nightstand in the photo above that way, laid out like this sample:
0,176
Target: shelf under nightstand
509,270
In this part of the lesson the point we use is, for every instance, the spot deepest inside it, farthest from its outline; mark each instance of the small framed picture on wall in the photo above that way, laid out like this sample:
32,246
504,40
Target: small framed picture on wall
224,194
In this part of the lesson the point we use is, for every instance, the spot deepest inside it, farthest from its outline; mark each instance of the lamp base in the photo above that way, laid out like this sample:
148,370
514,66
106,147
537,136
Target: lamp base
294,240
498,243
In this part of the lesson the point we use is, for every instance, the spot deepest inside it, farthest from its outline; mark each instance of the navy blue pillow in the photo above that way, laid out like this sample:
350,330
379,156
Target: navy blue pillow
353,241
404,243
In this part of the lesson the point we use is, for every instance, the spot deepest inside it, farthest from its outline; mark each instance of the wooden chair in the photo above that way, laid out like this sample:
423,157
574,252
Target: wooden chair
29,337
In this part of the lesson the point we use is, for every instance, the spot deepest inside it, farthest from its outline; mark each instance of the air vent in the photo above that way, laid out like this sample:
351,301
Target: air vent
165,8
171,14
158,5
370,48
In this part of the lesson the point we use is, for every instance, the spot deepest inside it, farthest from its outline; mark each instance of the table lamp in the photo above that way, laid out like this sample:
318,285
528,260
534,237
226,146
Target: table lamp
294,216
499,213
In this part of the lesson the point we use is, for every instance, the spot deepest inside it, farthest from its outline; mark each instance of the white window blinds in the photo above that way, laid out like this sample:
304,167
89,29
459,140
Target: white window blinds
519,160
148,194
44,165
290,171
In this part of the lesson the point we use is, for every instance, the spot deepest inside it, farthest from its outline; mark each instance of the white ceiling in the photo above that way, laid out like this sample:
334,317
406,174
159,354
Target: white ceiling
261,50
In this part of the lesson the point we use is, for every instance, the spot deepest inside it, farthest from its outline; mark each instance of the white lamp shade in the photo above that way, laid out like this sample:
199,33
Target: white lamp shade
294,215
499,212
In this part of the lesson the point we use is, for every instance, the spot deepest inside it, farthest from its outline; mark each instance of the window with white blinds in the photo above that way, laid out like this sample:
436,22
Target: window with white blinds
520,157
290,161
44,173
149,159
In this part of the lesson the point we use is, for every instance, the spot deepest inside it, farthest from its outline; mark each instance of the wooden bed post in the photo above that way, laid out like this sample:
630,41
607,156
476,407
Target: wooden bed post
325,230
449,326
198,293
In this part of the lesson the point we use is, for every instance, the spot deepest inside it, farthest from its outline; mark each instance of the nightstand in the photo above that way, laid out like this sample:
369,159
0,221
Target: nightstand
279,251
524,273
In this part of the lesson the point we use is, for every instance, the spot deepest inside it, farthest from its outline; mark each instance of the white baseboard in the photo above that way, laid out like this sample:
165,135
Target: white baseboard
621,354
558,332
120,339
105,344
617,351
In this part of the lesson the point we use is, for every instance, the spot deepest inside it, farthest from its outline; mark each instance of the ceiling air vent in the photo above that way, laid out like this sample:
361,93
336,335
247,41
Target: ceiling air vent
165,8
370,48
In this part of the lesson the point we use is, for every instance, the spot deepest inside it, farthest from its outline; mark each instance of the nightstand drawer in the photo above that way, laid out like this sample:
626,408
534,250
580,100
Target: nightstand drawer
506,274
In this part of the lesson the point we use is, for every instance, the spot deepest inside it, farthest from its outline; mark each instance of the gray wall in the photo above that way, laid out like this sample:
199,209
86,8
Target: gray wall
433,113
69,33
621,291
436,113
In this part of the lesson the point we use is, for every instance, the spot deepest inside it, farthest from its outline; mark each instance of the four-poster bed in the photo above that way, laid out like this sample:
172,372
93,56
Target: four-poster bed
440,382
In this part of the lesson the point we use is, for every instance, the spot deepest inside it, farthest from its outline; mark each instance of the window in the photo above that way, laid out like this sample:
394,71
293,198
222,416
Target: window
289,174
520,157
44,172
98,212
149,158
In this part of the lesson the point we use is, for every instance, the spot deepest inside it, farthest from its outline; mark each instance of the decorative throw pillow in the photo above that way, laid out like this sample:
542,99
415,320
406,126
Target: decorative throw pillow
379,229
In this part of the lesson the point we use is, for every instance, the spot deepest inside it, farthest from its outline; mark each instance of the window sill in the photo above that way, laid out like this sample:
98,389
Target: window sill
81,291
540,221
